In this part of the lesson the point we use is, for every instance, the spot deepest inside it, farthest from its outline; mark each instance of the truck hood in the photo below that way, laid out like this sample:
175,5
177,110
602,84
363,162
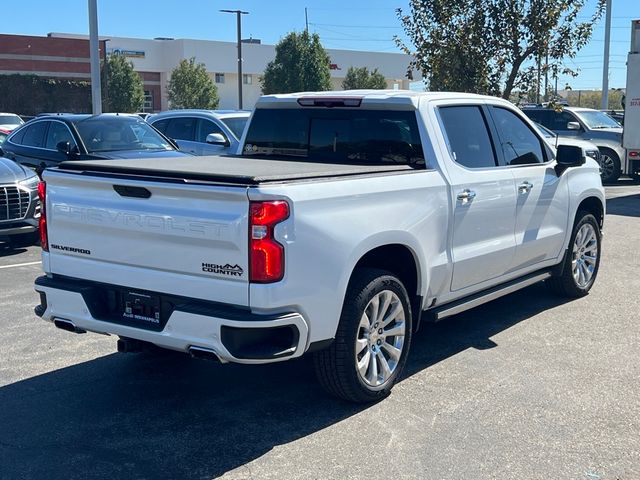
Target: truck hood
11,172
131,154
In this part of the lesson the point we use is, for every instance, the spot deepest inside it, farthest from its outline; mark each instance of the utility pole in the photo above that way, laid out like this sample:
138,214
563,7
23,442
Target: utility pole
306,20
239,14
605,66
94,53
539,80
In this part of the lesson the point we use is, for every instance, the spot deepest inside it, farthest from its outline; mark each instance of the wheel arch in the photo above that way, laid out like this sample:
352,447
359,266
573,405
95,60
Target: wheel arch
593,205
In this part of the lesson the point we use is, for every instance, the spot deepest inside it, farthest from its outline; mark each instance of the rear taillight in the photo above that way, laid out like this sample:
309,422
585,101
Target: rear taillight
266,255
634,154
42,223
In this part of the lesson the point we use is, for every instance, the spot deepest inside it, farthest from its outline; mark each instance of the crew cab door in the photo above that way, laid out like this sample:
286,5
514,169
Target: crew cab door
482,195
542,206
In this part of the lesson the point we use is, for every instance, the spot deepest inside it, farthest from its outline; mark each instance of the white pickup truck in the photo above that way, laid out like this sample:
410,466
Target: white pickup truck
345,219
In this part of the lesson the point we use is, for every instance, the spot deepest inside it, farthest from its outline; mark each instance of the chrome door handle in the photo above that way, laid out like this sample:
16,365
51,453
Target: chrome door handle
525,187
466,195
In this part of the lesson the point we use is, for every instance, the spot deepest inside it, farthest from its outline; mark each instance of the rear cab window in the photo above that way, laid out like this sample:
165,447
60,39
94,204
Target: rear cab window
336,135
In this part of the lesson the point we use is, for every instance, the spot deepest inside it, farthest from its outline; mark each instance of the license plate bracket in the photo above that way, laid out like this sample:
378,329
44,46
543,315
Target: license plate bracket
142,308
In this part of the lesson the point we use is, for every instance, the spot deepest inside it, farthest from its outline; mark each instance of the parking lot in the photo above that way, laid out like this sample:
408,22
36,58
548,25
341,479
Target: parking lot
528,387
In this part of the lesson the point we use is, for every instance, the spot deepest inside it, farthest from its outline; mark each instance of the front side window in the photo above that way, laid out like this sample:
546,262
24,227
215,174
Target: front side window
467,136
58,132
352,136
34,135
205,127
520,146
560,120
182,128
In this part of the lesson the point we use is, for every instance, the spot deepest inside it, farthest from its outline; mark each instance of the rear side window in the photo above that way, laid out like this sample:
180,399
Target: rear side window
161,125
182,128
520,146
467,136
34,135
338,135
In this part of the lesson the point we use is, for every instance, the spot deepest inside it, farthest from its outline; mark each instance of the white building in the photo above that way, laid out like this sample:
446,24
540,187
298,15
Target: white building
155,59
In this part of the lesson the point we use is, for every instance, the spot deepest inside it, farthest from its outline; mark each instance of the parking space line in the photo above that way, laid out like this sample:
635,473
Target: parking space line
20,264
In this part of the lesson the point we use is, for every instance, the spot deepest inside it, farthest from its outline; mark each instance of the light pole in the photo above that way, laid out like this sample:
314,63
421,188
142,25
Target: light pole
605,66
239,14
94,54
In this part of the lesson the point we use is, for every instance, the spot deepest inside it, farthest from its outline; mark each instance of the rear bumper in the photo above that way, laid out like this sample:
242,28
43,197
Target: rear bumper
234,334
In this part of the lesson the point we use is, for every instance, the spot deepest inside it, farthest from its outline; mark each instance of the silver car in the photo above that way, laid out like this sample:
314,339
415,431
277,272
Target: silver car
203,132
19,204
587,124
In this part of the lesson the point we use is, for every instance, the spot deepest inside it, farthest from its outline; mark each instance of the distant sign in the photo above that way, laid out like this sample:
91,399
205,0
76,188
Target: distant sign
128,53
334,66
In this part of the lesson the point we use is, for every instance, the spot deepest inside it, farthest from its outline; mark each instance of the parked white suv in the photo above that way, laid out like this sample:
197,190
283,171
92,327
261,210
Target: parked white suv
348,219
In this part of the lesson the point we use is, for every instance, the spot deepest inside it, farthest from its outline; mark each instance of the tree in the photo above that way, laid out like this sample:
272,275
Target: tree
357,78
190,86
124,90
301,64
494,46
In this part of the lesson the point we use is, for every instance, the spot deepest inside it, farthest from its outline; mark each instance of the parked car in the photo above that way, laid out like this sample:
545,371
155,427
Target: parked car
48,140
617,115
588,124
348,219
8,123
589,149
203,132
19,204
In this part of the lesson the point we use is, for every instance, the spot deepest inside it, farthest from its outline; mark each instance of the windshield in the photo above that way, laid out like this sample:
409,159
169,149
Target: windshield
10,120
101,134
236,125
595,119
352,136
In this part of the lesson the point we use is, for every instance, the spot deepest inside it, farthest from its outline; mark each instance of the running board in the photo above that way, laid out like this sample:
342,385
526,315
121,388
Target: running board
459,306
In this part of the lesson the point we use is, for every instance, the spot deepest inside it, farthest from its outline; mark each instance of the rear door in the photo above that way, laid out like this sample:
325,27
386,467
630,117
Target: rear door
181,239
542,206
482,195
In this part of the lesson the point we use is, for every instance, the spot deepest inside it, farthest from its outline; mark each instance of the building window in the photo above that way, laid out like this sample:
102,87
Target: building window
147,106
219,77
247,79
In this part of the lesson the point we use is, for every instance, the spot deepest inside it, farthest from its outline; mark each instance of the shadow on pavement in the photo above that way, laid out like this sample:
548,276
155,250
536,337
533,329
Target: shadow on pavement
628,205
7,249
167,416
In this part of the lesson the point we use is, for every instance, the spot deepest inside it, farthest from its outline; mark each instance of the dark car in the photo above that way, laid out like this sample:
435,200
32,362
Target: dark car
48,140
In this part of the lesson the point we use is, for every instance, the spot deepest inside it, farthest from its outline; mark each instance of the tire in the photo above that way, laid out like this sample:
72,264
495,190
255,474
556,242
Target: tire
574,281
610,166
25,239
357,337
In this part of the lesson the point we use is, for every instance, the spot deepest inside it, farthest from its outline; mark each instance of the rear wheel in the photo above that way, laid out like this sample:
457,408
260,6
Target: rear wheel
610,167
582,258
372,340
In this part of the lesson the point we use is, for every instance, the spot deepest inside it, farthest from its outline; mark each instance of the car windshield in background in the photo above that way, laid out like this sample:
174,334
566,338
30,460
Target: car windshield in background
10,120
114,134
352,136
597,119
236,125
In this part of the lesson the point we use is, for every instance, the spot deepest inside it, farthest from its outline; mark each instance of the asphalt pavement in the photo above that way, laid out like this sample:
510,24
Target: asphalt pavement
530,386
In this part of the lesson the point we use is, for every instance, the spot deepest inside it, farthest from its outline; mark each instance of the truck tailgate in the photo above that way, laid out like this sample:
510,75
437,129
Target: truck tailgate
188,240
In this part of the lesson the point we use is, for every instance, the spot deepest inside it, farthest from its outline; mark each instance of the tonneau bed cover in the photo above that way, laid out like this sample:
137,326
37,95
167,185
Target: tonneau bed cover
227,169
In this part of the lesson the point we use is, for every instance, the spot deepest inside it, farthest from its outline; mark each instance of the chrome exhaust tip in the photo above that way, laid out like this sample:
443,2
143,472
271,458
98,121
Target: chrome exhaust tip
67,325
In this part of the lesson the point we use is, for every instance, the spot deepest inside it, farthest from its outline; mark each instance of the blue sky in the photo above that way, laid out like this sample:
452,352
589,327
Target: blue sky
356,25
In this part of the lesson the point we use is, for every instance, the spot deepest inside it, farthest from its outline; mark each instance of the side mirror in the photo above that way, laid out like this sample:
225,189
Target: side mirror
568,156
217,139
573,126
64,147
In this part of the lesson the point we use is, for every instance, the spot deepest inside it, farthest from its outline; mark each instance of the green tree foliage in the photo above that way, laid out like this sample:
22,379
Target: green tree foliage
593,99
301,64
190,86
494,46
124,91
359,78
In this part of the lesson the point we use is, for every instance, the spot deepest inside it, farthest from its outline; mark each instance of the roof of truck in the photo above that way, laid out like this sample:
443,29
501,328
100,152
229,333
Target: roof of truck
369,96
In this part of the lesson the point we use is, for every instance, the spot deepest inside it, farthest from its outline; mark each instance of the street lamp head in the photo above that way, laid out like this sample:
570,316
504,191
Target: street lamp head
234,11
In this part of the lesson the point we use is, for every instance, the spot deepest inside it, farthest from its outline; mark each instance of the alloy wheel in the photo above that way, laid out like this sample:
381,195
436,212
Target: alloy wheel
585,255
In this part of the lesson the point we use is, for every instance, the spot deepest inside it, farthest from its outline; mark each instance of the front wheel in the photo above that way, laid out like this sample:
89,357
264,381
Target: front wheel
581,260
610,167
372,340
